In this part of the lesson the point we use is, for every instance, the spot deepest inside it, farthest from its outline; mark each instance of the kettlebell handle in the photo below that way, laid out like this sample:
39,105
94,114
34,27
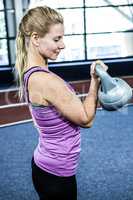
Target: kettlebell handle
107,82
100,71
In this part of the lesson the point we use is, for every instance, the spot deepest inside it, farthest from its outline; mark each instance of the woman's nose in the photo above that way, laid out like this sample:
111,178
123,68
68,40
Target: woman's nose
61,45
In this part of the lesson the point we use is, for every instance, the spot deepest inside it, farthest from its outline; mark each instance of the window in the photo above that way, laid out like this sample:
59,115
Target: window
74,31
94,29
111,29
8,28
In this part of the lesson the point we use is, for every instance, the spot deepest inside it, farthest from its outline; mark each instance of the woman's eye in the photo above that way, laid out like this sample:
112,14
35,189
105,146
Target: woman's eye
56,40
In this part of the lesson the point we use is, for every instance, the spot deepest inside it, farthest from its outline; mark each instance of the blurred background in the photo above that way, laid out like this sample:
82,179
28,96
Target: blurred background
94,29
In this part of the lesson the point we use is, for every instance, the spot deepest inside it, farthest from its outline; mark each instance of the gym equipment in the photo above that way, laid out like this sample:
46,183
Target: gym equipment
113,93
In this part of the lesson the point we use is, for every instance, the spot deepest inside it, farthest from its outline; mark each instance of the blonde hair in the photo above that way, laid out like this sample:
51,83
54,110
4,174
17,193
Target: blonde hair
38,20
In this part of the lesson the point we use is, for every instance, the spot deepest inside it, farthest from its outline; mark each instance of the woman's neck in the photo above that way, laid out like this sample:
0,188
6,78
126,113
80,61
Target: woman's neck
35,59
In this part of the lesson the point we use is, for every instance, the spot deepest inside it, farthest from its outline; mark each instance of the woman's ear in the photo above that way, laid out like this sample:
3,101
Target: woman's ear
35,39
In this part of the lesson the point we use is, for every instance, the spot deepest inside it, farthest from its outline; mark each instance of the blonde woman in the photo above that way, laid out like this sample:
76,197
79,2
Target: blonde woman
57,112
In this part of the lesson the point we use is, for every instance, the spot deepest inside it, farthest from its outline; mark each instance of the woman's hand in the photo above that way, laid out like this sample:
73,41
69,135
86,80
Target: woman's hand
93,68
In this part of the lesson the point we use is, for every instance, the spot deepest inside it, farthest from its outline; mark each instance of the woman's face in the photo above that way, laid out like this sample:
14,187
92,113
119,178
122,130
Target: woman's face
52,43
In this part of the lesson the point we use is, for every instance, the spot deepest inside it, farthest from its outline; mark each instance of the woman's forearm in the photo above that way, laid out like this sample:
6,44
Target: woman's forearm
90,102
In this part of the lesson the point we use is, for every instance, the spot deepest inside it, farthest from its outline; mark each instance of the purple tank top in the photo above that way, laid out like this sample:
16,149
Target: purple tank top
58,146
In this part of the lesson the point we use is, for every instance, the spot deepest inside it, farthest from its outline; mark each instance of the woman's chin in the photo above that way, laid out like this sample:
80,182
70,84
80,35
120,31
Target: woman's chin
53,58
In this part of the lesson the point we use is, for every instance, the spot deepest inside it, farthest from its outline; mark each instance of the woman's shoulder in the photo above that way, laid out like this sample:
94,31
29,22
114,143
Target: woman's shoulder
35,73
33,69
43,77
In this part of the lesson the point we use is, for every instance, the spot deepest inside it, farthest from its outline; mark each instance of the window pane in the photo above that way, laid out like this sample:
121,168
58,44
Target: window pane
73,20
127,44
73,3
109,45
2,25
3,52
128,12
104,3
74,50
95,3
11,23
106,20
25,4
57,3
9,4
12,53
1,4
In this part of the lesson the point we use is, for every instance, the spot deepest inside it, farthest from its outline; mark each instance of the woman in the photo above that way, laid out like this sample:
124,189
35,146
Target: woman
57,112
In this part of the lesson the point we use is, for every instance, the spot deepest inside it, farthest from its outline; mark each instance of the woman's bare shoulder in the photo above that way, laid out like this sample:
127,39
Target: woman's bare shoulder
42,78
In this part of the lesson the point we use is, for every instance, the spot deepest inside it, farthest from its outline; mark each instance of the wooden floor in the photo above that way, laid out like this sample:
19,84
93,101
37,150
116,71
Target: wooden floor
12,110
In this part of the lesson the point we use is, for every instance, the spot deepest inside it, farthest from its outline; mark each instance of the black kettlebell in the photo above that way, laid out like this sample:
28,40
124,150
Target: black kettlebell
113,93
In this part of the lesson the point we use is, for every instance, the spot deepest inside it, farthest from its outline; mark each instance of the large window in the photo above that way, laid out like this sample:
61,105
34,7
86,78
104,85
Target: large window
94,29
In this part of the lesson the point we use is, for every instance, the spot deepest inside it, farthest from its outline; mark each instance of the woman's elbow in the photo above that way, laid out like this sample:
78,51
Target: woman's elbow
87,124
86,121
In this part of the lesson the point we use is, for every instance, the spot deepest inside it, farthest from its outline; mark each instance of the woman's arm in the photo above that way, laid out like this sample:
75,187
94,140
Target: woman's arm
52,89
90,102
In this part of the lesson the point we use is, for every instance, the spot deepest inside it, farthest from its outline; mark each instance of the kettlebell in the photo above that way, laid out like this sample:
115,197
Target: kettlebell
113,93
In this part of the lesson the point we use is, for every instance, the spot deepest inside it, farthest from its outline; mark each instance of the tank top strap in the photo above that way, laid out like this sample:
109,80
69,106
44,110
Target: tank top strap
26,77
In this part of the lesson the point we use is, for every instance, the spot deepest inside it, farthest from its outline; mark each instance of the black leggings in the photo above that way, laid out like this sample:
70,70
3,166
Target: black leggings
50,187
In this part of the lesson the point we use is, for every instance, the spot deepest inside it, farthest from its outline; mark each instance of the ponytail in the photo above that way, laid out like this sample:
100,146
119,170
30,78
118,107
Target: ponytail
21,60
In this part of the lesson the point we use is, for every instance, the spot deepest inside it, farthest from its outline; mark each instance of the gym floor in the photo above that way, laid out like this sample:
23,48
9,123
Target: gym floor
106,163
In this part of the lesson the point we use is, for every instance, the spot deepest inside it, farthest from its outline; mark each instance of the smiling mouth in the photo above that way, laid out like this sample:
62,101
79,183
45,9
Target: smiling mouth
57,53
